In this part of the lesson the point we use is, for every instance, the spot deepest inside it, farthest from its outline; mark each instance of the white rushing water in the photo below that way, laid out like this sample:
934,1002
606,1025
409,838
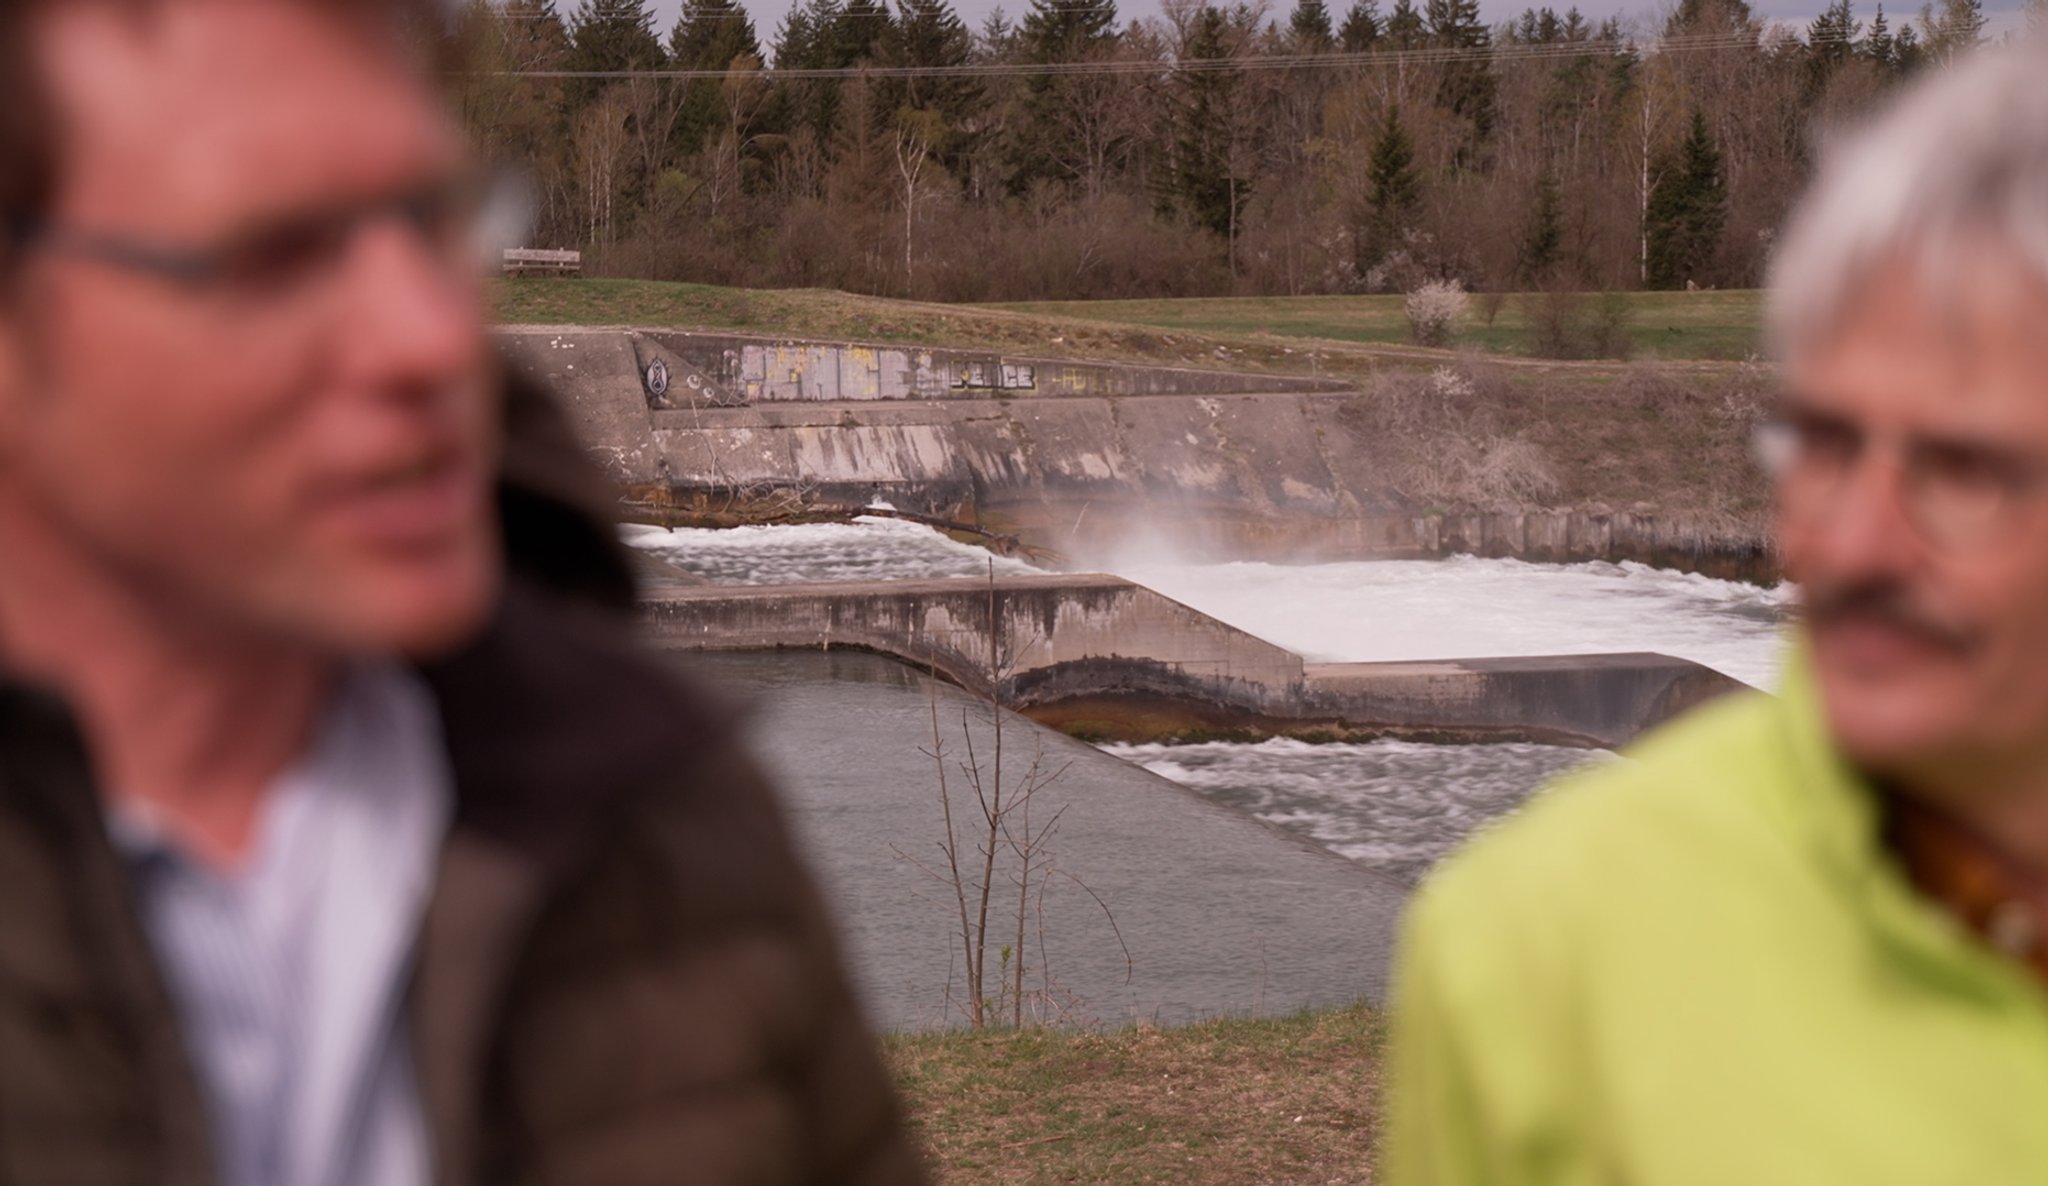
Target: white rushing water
867,549
1466,607
1463,607
1394,805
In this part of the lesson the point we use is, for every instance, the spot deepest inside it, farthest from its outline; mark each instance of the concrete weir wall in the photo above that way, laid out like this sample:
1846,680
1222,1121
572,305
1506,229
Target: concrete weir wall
1044,624
1068,456
729,370
1101,656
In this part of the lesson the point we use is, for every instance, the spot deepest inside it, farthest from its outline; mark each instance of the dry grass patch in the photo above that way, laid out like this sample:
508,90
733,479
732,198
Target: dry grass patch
1287,1102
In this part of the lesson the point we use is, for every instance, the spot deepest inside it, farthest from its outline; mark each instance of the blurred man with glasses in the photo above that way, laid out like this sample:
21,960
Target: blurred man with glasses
1804,939
345,838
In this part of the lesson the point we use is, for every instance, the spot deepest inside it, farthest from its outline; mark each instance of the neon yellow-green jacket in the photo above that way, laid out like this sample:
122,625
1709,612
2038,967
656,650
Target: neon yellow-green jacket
1700,968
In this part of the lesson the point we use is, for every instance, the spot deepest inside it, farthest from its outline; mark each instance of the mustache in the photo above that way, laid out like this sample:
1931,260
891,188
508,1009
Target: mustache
1887,604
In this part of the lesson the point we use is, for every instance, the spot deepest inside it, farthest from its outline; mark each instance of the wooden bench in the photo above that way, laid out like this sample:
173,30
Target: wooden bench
536,261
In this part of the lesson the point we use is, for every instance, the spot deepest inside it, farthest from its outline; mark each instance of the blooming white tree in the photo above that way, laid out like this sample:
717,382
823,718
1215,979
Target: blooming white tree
1434,310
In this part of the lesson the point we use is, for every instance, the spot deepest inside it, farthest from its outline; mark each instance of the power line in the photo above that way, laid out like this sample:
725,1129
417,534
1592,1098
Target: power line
1379,59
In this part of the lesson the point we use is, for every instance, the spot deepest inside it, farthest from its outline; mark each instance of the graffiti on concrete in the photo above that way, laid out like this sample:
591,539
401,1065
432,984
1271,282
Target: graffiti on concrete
720,370
1002,376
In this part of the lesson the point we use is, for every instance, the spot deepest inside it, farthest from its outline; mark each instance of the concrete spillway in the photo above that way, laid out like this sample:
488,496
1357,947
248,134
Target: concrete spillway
1103,657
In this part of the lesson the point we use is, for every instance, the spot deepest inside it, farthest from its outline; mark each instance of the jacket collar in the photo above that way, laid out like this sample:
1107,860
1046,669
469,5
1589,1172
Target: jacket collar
1840,813
1835,805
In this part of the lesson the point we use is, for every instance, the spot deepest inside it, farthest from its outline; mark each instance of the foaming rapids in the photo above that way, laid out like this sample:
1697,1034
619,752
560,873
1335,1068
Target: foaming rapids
867,549
1394,806
1467,607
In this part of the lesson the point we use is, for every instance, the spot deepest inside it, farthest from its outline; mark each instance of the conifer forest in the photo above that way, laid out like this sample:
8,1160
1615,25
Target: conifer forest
1074,152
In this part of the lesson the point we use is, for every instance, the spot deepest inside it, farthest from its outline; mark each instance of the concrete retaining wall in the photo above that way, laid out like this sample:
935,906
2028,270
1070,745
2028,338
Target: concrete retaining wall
731,370
1603,699
1210,464
1101,656
1041,624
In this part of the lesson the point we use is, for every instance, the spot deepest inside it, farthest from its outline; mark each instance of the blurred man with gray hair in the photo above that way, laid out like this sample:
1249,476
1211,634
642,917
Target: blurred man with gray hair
1804,939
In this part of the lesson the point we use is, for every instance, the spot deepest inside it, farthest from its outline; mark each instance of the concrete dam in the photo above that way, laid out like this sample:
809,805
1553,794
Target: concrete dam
1217,906
1064,457
1107,659
714,430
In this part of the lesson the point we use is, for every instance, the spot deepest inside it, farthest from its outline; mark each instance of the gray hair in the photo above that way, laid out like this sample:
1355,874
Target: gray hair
1959,161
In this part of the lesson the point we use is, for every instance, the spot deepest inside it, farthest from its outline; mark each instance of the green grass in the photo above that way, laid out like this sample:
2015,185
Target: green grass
827,314
822,313
1242,333
796,312
543,301
1292,1100
1670,325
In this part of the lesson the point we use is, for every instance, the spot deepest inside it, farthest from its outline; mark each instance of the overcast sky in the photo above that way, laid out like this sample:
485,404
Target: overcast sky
768,14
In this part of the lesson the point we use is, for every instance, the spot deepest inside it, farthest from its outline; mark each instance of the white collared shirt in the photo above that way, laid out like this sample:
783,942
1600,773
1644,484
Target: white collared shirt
290,973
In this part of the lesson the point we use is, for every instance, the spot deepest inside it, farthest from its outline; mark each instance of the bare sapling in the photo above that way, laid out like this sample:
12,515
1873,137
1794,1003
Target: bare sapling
1000,860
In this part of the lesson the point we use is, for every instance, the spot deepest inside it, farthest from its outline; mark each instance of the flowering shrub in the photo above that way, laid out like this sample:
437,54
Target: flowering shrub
1449,383
1434,310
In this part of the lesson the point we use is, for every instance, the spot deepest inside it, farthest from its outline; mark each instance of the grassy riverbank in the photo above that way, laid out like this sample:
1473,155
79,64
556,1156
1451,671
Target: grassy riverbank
1334,335
1661,325
818,313
1293,1100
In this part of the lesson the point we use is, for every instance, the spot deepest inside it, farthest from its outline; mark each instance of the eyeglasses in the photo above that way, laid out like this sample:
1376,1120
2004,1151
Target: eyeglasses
286,256
1957,495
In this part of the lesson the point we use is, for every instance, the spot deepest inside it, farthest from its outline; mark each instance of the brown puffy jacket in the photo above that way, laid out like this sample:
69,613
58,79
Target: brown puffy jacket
624,975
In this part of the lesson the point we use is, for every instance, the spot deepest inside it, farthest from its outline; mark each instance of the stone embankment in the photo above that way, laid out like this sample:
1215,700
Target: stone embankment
1102,657
1072,458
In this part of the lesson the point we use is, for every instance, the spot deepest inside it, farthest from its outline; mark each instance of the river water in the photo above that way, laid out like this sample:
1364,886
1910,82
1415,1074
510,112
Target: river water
843,734
1148,902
